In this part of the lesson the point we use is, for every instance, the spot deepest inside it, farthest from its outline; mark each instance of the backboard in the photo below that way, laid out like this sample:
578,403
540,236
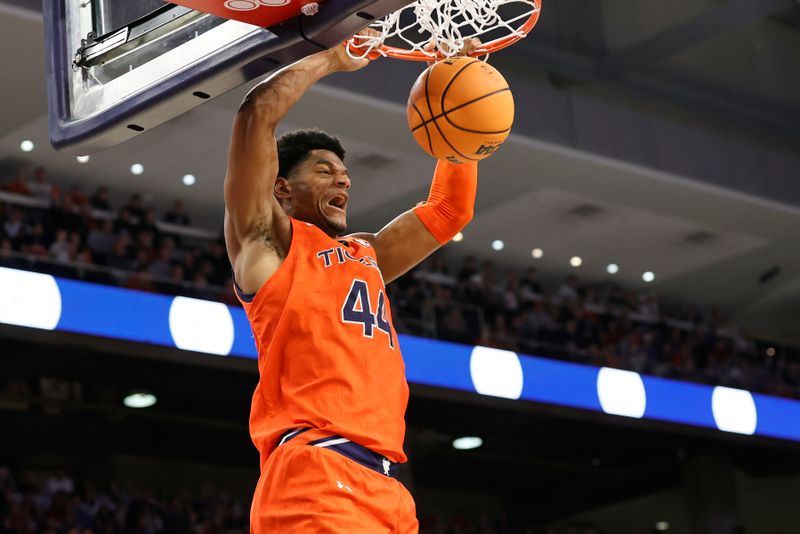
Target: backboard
117,68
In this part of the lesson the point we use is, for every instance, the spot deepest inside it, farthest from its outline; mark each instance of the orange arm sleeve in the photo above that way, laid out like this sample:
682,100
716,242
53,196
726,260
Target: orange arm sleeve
451,200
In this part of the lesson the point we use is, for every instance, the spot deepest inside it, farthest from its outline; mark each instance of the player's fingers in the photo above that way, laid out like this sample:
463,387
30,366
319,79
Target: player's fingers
369,33
470,46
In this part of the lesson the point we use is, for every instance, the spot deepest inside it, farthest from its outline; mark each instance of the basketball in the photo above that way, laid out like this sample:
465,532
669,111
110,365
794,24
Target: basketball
460,109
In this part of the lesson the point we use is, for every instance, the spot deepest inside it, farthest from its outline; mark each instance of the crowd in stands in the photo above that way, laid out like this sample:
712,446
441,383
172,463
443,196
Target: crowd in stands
598,324
32,503
78,235
73,234
36,502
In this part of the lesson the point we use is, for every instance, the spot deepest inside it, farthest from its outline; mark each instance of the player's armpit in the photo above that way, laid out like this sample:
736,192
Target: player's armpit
401,245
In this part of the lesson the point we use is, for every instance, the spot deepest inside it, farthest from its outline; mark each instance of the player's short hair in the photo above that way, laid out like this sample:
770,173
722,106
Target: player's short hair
294,147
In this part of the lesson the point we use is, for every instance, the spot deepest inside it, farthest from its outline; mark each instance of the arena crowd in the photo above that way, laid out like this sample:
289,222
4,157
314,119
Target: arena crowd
74,234
37,502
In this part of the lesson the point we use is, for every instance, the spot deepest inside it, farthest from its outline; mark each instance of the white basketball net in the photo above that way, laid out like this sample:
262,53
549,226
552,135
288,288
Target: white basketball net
449,24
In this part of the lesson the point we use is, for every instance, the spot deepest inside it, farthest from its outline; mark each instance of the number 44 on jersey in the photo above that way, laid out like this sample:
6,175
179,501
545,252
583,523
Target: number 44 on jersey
357,309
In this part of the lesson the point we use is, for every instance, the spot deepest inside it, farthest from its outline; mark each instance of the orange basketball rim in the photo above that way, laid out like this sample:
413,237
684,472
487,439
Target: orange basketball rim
451,21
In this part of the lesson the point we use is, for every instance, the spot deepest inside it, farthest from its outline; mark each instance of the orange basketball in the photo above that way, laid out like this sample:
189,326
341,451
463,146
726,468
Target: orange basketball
460,109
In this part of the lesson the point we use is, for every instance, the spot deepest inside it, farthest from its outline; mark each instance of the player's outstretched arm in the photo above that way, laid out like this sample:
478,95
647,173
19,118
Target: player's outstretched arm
257,230
414,235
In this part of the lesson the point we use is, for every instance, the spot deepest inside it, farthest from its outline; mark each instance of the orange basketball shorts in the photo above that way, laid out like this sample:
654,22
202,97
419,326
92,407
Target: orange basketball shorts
313,489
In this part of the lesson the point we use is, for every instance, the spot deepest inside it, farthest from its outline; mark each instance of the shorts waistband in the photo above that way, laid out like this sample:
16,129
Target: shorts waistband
345,447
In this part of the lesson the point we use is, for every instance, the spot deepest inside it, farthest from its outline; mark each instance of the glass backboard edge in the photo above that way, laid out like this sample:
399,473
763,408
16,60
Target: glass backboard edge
249,59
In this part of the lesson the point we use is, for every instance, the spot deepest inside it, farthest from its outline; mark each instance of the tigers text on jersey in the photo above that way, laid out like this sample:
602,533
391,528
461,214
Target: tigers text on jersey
327,352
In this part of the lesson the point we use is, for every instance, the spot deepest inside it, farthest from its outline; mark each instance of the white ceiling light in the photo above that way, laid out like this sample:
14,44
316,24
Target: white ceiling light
648,276
139,400
189,179
498,244
458,238
26,145
537,253
662,526
612,268
137,169
467,442
82,159
575,261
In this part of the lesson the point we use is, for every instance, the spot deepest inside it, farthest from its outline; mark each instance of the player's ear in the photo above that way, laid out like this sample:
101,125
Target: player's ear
282,189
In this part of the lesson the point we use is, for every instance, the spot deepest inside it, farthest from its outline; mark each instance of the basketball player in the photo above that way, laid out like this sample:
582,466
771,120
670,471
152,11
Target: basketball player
328,412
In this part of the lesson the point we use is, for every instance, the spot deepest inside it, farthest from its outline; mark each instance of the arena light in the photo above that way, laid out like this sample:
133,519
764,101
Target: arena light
576,261
621,393
496,372
137,169
29,299
82,159
139,399
537,253
612,268
26,145
201,326
662,526
467,442
771,351
648,276
498,245
734,410
189,179
458,238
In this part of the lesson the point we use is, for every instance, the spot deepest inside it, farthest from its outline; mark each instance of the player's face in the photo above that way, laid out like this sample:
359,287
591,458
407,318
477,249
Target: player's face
319,191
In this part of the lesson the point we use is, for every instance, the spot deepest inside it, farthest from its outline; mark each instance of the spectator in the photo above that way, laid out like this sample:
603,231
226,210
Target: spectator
65,214
99,200
177,215
35,242
141,280
453,327
101,240
530,287
77,196
469,268
135,207
15,228
18,186
150,224
120,254
568,292
59,250
41,188
160,267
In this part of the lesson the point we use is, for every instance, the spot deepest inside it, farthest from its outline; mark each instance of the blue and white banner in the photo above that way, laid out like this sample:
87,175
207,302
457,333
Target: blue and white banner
42,301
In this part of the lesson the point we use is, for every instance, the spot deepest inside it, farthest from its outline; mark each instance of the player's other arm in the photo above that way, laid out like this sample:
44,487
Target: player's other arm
414,235
257,230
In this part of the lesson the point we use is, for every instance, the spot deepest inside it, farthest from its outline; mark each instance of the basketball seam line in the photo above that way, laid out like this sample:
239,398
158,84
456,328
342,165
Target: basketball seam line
444,114
444,95
441,134
427,133
453,79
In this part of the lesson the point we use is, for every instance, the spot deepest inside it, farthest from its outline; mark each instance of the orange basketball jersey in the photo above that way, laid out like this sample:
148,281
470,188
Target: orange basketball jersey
328,355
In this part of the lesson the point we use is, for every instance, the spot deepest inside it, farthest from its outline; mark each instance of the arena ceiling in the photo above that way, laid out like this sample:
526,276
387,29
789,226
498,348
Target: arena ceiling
729,68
